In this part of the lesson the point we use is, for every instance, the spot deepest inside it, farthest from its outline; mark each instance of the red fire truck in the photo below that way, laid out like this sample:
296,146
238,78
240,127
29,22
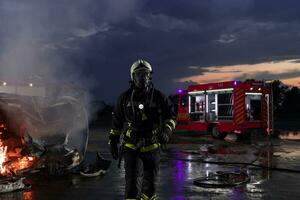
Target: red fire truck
225,107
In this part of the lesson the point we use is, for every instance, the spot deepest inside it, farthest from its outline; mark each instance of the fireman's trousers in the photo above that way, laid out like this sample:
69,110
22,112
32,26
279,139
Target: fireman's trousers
141,170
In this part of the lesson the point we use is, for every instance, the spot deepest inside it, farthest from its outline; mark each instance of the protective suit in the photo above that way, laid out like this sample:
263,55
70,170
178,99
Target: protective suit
144,118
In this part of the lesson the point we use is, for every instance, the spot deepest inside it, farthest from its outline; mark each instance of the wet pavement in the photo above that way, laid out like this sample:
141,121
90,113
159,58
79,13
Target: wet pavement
190,156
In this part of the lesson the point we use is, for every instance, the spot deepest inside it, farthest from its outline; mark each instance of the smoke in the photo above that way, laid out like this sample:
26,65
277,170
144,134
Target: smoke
49,39
49,43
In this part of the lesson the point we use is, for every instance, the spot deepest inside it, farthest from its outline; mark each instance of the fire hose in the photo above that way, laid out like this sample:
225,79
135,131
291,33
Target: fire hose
222,179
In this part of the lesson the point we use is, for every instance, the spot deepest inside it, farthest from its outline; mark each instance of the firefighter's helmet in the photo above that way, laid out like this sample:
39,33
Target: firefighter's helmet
139,64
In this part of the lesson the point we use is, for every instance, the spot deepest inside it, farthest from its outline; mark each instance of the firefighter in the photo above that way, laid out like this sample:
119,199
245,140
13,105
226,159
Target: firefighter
145,119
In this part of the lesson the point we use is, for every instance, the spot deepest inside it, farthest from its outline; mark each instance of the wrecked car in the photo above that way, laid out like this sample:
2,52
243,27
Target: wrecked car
43,129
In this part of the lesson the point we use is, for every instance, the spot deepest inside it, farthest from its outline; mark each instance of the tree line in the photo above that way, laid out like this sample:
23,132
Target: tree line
286,101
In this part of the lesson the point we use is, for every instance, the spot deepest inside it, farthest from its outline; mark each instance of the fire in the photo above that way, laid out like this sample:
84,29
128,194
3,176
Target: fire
3,150
22,163
13,165
28,195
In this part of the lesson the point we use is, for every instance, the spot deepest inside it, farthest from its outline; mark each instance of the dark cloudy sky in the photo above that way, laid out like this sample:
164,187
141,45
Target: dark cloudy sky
94,42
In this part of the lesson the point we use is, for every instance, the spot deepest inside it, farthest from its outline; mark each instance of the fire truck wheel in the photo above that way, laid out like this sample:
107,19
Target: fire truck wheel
216,134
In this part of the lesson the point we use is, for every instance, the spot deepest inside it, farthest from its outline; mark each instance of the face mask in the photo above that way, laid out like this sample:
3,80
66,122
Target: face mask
142,78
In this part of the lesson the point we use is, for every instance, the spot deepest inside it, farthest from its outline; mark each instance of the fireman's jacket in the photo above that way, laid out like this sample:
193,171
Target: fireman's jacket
143,114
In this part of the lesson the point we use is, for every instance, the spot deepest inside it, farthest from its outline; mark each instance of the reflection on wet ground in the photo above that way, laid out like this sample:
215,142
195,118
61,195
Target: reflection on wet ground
187,158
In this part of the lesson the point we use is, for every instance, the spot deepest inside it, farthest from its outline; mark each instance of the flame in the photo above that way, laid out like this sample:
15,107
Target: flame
27,195
11,159
16,164
3,150
22,163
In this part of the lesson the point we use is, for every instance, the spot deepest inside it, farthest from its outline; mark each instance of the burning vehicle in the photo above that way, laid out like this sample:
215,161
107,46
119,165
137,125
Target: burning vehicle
42,129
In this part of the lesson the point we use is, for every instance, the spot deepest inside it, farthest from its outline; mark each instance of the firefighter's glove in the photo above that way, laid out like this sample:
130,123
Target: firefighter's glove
113,141
165,135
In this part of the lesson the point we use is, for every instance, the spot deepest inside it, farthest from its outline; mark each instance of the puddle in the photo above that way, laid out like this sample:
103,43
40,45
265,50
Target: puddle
179,173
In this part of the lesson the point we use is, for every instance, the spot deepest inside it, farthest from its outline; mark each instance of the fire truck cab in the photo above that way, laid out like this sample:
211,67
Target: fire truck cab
225,107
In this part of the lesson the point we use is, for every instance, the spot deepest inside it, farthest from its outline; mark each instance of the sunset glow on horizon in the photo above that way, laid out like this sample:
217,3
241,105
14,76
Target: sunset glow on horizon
287,71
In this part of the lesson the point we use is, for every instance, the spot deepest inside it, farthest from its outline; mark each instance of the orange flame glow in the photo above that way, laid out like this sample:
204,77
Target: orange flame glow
3,150
16,164
27,195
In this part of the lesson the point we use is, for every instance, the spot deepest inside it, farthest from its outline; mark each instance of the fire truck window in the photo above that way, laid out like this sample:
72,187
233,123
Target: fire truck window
256,108
225,98
253,107
193,101
197,107
211,107
225,106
